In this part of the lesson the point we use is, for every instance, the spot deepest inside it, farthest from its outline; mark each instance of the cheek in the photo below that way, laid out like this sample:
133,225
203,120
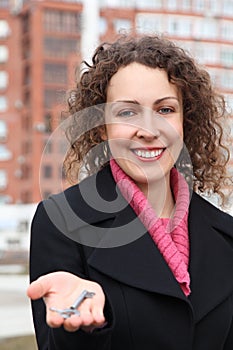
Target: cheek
176,131
112,131
119,131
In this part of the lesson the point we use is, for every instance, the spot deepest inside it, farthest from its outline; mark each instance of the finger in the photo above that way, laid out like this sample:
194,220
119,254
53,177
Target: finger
37,289
46,284
98,316
53,319
86,316
73,323
97,309
84,320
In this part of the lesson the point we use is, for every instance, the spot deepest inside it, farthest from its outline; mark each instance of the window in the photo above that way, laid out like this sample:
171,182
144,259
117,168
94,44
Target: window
4,54
185,4
4,4
62,21
227,7
199,5
3,79
55,73
60,47
4,29
63,146
48,147
103,25
26,171
226,79
53,97
215,7
3,179
26,122
180,25
226,56
3,103
27,98
148,4
214,74
148,23
206,28
26,147
118,3
26,75
226,30
5,153
47,171
26,49
48,122
25,23
172,4
3,130
121,24
207,53
5,199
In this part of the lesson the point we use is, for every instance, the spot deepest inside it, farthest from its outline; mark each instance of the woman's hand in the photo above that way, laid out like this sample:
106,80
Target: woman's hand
59,290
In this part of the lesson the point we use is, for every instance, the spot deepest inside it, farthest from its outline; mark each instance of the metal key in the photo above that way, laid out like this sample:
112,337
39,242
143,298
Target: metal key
72,310
85,294
65,313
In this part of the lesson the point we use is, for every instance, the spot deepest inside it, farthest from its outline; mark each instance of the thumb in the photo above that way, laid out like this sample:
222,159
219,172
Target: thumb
38,288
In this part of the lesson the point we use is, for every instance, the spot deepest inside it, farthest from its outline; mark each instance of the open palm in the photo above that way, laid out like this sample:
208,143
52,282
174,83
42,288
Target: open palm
59,290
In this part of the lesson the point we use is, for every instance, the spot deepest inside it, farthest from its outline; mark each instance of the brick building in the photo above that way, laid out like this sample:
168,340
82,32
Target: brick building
40,46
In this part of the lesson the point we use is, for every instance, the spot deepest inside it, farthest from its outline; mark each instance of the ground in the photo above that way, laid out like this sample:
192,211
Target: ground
18,343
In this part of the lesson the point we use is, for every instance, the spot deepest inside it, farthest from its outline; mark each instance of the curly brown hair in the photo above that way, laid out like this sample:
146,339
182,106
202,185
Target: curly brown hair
203,108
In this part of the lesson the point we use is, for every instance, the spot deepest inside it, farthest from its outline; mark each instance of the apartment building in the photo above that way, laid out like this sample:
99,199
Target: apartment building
37,41
40,48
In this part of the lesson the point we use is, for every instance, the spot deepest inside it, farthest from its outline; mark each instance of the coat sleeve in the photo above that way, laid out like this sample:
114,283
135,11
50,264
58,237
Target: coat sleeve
229,341
51,250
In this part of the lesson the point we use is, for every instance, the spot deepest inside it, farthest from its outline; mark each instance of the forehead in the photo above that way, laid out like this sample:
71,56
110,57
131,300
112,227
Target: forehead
138,82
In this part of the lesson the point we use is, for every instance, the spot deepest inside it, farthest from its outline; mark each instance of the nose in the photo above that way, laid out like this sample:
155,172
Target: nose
148,128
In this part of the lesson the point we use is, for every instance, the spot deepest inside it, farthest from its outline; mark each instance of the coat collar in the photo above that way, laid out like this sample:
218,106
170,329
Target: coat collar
138,261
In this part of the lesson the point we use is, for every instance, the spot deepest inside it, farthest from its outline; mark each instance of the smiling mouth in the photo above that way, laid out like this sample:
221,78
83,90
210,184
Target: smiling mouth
148,154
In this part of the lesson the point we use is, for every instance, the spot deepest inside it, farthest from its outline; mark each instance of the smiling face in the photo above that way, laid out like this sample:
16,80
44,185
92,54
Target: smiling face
144,122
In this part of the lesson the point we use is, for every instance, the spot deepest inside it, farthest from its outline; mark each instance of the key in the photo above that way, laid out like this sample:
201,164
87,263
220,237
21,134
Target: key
72,310
85,294
65,313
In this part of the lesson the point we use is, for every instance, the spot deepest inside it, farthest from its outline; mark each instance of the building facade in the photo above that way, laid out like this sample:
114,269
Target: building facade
40,48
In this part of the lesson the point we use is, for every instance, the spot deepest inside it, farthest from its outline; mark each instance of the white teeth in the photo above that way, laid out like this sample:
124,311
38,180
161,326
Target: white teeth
148,154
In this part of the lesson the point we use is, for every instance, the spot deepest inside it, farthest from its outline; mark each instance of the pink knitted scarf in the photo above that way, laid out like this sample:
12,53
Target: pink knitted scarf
169,234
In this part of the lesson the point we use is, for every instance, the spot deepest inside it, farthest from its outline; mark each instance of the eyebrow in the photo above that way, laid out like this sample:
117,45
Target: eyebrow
156,102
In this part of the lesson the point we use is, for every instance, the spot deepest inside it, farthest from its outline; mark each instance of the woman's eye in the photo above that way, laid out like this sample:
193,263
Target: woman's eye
166,110
126,113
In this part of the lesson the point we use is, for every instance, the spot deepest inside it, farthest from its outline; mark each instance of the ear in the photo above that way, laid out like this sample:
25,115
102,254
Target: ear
103,133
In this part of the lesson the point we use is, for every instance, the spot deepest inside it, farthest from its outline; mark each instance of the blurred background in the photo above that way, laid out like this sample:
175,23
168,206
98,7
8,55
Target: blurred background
42,44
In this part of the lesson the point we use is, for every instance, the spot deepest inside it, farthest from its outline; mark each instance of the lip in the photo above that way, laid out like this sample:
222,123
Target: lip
148,154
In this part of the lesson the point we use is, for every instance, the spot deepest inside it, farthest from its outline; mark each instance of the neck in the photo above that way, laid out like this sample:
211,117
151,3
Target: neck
160,196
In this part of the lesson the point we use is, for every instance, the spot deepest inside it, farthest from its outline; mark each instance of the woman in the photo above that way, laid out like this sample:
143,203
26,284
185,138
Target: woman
157,257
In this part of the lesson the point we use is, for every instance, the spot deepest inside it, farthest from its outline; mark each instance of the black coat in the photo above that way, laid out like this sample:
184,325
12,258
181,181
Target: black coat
145,306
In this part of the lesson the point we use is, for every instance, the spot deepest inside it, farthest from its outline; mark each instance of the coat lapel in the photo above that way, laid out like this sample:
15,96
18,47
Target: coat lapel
211,256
